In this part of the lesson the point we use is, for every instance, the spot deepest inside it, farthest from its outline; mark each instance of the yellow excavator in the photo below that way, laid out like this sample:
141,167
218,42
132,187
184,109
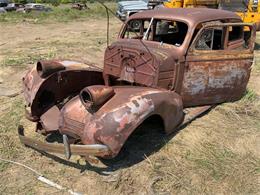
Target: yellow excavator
248,10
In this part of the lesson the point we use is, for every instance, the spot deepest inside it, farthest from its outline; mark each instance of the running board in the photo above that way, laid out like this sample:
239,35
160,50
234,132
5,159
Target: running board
191,114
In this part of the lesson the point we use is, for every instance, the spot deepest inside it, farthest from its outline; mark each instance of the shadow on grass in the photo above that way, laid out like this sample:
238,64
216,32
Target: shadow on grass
147,139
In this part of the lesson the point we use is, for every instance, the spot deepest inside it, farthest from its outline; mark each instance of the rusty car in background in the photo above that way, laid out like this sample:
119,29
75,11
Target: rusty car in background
175,65
79,6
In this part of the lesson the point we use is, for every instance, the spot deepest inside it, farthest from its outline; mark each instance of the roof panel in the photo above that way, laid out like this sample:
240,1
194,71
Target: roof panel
188,15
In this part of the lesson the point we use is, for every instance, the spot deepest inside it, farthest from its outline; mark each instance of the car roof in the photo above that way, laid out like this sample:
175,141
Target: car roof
192,16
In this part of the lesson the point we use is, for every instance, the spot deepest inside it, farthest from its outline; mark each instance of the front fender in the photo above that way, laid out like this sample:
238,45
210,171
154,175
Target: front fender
41,93
114,122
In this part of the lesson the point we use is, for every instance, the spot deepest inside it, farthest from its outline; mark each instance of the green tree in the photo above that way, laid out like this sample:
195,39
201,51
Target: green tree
20,1
55,2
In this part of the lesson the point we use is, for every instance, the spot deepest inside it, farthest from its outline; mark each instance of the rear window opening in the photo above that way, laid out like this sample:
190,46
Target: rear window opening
157,30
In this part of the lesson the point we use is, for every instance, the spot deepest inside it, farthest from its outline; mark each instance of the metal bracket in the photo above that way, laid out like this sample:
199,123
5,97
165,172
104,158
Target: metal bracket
67,150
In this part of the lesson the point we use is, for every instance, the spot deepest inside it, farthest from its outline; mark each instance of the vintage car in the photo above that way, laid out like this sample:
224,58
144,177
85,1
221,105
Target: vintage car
127,8
13,7
175,66
34,7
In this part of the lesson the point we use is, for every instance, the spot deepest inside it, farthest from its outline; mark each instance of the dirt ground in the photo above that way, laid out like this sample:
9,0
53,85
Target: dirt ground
218,153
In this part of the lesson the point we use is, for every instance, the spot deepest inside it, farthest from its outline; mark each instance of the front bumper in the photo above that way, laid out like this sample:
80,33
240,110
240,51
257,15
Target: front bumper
65,148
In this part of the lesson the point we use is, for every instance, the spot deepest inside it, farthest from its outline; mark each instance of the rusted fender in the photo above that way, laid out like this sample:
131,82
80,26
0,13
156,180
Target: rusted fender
114,122
51,82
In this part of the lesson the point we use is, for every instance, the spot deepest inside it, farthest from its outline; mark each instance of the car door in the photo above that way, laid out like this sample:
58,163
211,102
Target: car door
218,64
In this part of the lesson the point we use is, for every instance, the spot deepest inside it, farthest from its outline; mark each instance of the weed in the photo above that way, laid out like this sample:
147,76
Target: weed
250,96
3,166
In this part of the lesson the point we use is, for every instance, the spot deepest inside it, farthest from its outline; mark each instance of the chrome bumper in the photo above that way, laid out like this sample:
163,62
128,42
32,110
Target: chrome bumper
65,148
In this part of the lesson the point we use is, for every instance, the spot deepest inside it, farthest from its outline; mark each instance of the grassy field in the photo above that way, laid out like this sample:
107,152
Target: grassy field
218,153
63,13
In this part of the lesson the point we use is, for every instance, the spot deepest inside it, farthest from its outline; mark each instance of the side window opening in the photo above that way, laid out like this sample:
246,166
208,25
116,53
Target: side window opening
210,39
235,33
238,37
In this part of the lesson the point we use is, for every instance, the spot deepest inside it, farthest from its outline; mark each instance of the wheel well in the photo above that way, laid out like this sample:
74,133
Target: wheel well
154,122
148,132
156,118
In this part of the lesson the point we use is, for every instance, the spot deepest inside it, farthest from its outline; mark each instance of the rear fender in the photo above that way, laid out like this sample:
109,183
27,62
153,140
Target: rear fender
113,127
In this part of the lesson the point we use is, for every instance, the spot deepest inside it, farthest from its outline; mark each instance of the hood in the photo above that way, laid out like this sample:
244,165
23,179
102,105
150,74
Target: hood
135,63
133,5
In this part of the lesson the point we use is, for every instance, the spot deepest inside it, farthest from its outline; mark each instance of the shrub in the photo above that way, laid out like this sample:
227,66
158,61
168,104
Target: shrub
54,2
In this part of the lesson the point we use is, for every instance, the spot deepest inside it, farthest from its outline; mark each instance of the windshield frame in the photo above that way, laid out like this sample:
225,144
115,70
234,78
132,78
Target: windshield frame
184,43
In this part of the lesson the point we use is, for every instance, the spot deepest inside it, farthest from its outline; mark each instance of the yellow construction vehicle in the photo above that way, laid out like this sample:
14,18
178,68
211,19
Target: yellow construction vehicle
248,10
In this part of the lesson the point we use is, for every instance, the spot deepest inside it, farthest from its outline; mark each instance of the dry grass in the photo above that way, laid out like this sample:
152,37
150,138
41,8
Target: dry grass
218,153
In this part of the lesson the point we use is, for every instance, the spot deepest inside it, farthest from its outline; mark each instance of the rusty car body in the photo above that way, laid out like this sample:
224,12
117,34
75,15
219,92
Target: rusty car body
174,60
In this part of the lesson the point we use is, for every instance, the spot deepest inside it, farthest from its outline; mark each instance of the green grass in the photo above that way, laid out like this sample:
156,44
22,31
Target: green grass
250,96
21,60
9,121
3,166
59,14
